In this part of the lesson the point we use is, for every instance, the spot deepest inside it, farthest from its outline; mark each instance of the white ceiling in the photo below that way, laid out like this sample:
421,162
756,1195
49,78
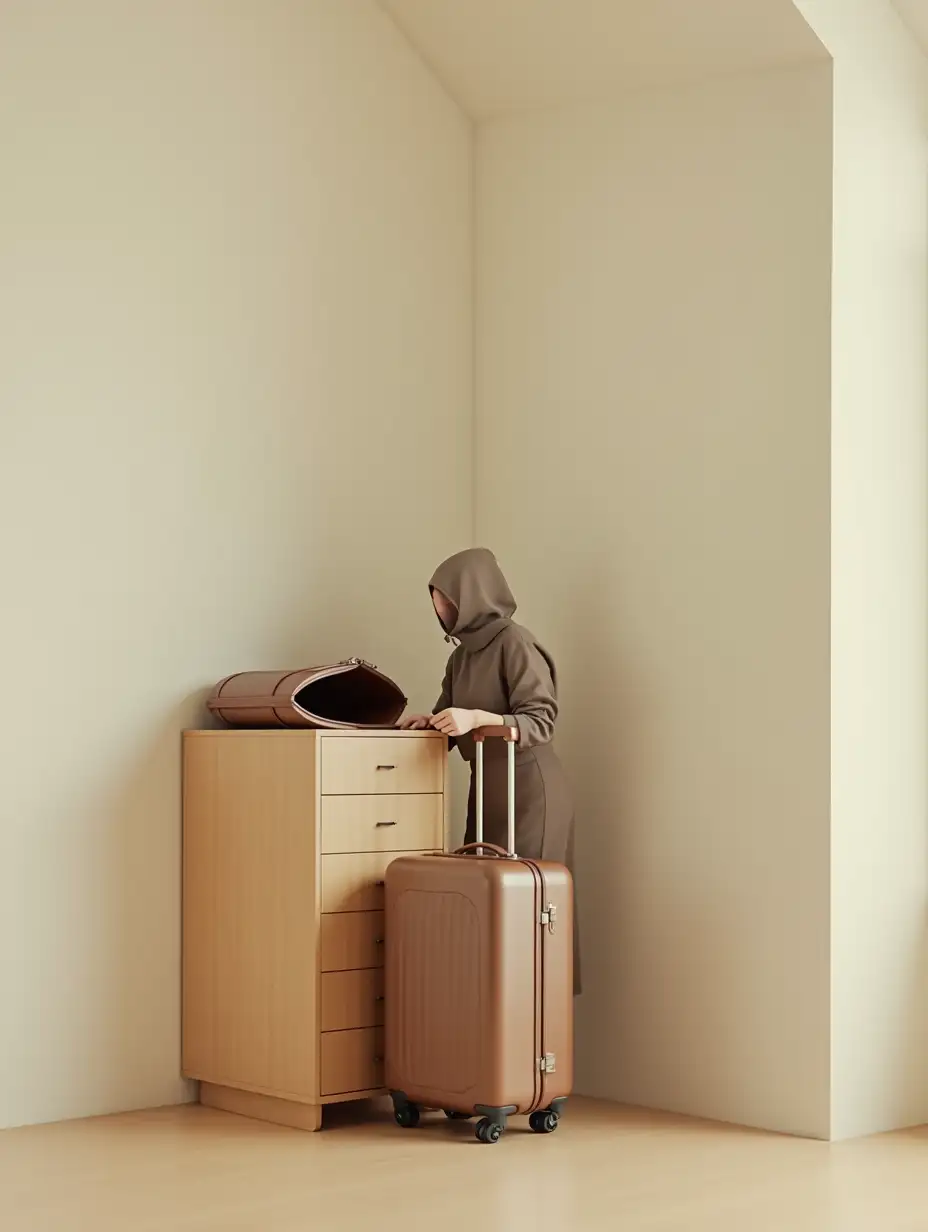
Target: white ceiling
915,14
496,56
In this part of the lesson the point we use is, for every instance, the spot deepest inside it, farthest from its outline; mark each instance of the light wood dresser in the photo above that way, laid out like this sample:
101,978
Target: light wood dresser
287,835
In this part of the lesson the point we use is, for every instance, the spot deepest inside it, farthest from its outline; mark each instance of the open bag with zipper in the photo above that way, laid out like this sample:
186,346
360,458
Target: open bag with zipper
349,695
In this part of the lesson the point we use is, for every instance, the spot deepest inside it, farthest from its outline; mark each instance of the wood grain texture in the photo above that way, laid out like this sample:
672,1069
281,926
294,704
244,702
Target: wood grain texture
355,882
381,823
352,1061
275,992
350,1097
607,1169
262,1107
250,969
351,941
382,765
352,999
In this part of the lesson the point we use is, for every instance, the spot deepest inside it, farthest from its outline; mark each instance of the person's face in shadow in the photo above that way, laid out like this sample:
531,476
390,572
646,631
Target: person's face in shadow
445,610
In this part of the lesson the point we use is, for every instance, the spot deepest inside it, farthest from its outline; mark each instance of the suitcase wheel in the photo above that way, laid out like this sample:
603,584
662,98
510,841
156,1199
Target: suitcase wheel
543,1122
407,1116
488,1131
457,1116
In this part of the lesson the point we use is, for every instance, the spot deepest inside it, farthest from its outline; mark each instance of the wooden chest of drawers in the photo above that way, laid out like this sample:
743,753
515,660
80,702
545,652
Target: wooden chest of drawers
287,835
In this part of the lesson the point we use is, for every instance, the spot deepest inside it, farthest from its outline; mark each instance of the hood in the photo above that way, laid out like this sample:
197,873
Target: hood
474,583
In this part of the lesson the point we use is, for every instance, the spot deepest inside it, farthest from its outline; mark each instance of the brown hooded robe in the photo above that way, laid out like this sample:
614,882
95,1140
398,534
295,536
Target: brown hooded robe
501,668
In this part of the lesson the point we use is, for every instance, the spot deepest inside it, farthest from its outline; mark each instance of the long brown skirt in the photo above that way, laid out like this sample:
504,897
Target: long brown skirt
544,812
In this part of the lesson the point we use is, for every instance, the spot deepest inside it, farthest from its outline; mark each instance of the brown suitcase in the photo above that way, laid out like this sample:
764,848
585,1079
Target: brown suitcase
479,980
351,694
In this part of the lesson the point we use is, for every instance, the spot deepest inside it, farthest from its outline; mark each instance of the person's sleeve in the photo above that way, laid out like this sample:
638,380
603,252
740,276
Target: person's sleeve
444,698
444,701
532,700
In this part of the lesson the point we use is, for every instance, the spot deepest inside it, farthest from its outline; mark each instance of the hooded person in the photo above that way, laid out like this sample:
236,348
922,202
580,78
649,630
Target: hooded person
500,675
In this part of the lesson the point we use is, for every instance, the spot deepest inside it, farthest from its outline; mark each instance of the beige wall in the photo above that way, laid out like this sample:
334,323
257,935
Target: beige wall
653,468
235,430
879,580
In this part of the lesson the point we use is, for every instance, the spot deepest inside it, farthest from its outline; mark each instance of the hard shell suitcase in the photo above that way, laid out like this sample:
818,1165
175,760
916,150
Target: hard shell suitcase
479,980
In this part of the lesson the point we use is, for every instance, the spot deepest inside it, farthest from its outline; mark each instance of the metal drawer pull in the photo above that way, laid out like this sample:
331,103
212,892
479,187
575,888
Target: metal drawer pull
385,823
386,767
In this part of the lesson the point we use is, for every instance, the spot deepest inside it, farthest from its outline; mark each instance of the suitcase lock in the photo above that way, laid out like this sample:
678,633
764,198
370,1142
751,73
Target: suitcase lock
548,917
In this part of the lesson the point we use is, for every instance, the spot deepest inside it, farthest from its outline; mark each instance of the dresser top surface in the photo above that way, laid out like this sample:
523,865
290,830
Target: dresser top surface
304,733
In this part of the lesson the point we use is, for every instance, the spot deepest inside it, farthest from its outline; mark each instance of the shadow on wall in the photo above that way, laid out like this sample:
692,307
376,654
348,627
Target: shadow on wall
601,738
651,940
912,1066
142,896
100,894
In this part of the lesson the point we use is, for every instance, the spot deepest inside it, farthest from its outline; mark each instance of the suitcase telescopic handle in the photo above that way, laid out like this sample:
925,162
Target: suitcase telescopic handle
511,736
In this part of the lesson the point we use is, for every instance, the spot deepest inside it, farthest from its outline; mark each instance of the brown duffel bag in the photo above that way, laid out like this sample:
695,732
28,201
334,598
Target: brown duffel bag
350,694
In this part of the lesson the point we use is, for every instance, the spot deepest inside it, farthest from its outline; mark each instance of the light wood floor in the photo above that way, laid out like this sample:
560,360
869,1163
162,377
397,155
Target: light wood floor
195,1170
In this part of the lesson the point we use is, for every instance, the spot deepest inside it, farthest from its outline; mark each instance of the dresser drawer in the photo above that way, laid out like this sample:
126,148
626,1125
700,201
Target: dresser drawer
381,823
383,765
351,941
352,999
355,882
351,1061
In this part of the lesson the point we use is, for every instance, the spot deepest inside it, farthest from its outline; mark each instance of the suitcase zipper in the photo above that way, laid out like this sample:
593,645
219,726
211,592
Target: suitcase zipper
541,1067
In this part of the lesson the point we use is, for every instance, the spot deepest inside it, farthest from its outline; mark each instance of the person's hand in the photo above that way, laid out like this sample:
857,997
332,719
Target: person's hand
454,722
413,722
